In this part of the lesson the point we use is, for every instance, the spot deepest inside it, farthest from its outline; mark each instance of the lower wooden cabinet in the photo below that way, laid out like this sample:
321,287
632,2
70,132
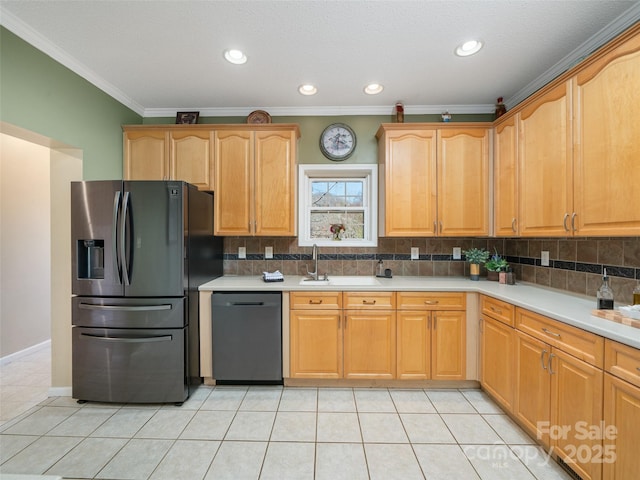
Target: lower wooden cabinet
369,344
621,460
498,358
316,343
557,397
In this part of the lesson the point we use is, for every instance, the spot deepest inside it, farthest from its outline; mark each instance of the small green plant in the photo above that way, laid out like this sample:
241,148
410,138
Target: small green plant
476,255
496,263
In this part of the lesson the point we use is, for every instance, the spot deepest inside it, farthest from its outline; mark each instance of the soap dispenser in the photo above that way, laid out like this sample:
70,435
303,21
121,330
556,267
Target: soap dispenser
605,294
380,269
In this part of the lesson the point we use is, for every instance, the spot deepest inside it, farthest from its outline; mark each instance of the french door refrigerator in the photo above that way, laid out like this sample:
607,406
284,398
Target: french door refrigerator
140,249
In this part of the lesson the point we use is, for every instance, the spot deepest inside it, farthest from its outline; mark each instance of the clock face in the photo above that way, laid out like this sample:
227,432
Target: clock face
337,142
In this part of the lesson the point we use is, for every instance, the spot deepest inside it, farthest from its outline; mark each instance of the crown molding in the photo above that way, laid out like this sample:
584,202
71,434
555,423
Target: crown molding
31,36
333,111
612,30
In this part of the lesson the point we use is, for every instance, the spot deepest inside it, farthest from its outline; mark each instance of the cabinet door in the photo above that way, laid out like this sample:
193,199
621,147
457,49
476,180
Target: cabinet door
369,344
607,129
576,406
414,349
463,182
497,361
448,346
545,168
621,413
409,188
146,155
233,182
316,344
191,157
533,384
275,186
505,175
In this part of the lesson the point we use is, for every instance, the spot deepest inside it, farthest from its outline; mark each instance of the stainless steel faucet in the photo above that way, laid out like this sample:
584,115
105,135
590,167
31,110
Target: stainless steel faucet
314,257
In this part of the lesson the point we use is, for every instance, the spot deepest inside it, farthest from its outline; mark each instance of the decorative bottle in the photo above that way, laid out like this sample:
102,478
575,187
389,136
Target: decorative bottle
605,294
636,294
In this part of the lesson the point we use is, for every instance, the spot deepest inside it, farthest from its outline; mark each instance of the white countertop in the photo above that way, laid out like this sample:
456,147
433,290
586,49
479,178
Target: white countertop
571,309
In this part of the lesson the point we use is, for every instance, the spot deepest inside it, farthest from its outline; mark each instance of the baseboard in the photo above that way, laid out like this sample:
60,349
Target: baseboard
23,353
59,391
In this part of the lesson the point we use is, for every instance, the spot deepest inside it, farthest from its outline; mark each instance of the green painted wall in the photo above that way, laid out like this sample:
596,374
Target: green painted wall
39,94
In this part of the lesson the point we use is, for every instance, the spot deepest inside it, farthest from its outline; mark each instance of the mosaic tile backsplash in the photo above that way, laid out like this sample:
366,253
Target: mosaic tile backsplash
576,265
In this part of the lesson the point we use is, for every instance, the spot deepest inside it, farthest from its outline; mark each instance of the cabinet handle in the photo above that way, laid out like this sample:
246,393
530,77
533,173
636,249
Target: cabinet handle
638,368
440,226
551,372
480,325
513,225
496,310
368,302
573,221
564,222
435,227
544,367
432,302
548,332
315,302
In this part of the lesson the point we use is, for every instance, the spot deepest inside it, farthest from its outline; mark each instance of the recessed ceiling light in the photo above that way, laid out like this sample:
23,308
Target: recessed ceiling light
469,48
373,89
307,89
234,56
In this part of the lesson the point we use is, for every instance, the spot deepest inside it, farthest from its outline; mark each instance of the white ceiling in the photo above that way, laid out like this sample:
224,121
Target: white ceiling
162,56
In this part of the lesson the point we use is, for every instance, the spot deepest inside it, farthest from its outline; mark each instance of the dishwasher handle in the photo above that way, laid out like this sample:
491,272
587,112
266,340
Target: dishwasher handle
245,304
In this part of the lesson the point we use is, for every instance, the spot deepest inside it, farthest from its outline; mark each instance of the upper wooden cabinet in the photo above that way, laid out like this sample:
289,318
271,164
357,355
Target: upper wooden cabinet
434,179
606,100
505,177
169,153
255,180
545,183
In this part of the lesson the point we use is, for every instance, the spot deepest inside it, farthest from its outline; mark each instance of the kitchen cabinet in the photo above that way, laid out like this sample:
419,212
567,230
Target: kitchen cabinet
606,147
621,411
545,164
169,153
558,394
316,335
255,180
497,348
434,179
431,339
505,177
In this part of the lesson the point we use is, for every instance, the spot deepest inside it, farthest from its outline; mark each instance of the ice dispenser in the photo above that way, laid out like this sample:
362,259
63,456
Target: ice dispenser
90,258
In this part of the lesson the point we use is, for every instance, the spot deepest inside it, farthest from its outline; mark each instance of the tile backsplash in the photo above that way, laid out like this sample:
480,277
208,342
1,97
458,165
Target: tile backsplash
576,264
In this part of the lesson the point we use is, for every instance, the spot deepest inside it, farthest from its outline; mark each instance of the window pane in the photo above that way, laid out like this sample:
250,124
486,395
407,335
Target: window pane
337,193
353,223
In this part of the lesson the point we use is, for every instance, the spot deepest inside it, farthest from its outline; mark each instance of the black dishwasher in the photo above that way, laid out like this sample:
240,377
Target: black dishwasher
247,337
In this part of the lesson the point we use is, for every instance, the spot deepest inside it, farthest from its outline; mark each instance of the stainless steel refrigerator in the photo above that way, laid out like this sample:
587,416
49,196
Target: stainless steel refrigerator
140,250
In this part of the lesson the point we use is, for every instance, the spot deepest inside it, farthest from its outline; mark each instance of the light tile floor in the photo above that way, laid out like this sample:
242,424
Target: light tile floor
272,433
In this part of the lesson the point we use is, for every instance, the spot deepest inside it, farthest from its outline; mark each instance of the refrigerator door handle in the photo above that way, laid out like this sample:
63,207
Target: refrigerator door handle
125,247
124,308
114,235
163,338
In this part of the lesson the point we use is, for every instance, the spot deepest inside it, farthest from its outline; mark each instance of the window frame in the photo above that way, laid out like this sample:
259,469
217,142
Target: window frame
367,172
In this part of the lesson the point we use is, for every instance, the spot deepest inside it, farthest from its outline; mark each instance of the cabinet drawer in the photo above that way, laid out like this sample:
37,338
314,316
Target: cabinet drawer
315,300
497,309
369,300
622,361
583,345
431,300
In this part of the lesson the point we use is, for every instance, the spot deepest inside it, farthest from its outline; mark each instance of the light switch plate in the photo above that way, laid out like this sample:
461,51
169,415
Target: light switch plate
457,253
415,253
268,252
242,252
544,258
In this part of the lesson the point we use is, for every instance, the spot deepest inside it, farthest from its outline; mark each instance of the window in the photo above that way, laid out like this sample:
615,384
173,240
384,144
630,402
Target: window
333,197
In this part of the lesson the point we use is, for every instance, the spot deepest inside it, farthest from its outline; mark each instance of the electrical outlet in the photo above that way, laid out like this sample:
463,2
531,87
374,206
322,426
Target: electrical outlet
544,258
268,252
242,252
415,253
457,253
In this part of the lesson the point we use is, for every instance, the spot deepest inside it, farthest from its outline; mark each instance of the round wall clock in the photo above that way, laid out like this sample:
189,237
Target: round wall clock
337,142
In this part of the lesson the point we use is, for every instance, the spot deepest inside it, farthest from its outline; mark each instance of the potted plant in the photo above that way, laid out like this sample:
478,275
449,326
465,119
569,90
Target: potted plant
475,257
495,265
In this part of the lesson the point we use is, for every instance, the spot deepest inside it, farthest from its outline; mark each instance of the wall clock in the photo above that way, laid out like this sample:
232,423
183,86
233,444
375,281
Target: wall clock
337,142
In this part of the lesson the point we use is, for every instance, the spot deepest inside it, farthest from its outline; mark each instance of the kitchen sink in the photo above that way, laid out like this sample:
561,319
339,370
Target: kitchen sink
347,281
